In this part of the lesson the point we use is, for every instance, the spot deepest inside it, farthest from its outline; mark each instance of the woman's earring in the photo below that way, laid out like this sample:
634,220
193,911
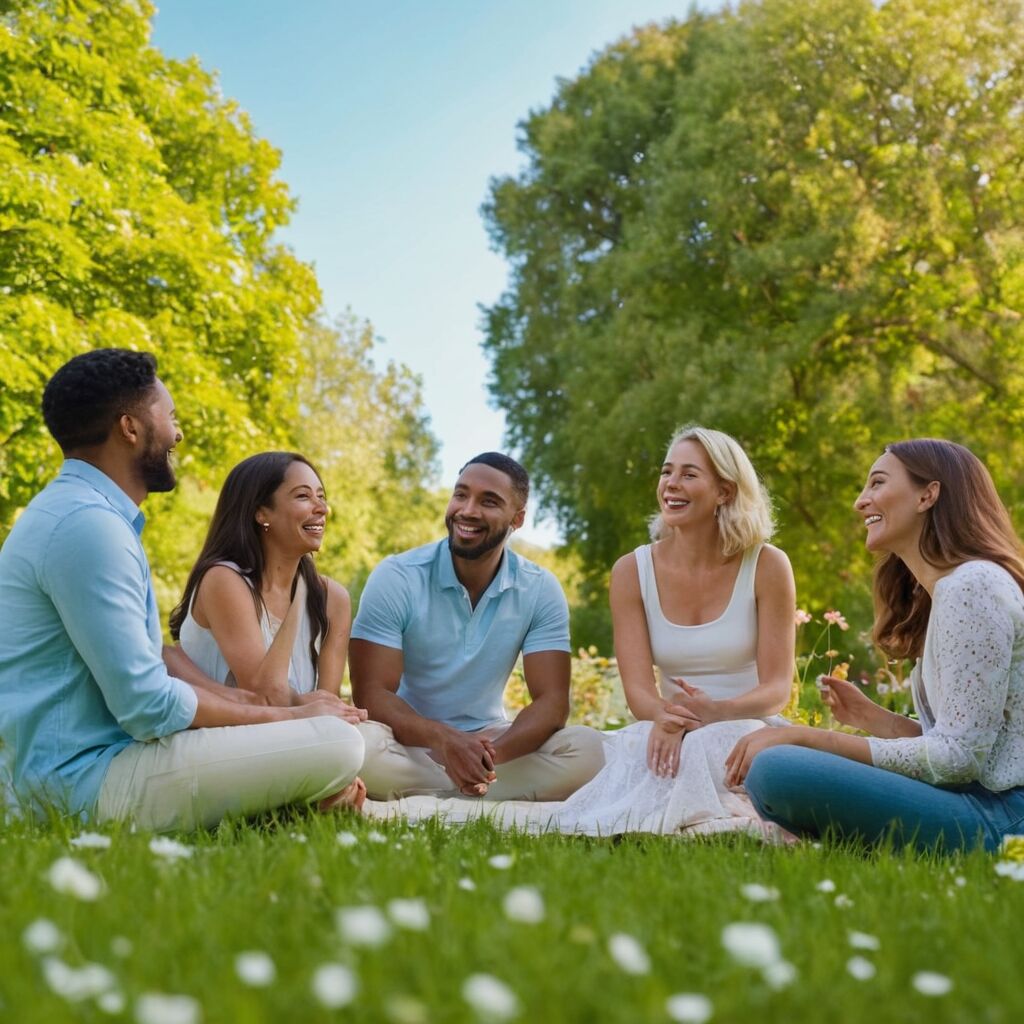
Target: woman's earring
266,526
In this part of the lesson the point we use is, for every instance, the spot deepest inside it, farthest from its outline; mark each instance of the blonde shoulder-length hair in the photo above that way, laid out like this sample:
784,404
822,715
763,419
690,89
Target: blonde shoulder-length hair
747,518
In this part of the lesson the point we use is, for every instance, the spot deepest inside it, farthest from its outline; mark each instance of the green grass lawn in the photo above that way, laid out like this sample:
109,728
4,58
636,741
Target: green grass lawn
176,926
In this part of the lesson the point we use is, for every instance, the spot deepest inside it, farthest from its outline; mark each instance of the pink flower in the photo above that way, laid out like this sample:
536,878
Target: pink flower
803,617
834,618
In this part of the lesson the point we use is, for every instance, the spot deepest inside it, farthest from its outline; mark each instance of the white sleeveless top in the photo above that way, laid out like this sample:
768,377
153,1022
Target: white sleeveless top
720,656
198,643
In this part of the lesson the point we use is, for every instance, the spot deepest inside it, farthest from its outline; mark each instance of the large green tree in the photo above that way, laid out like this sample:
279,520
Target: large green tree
138,208
799,221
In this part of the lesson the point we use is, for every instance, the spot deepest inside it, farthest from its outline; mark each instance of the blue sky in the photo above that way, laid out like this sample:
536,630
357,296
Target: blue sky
391,118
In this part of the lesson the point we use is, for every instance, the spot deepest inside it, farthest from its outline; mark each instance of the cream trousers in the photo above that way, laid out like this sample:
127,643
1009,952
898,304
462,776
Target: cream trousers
193,779
571,757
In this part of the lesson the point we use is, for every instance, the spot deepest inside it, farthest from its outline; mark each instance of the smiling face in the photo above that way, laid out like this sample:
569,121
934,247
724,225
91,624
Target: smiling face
295,517
893,506
482,512
689,490
160,434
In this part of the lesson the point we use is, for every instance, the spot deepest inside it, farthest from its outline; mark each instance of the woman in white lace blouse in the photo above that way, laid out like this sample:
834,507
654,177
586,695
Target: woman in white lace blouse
948,591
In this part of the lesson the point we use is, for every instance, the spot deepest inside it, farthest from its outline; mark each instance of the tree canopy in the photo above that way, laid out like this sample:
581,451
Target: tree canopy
138,208
799,221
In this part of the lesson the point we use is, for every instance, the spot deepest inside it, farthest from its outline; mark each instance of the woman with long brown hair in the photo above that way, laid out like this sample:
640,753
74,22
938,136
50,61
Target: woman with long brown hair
948,592
256,613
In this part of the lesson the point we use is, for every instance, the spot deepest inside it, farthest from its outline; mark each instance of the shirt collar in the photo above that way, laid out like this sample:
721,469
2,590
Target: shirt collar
506,576
99,481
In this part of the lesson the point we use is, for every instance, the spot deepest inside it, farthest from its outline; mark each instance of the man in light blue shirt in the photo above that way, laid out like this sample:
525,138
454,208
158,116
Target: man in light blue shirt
437,635
97,718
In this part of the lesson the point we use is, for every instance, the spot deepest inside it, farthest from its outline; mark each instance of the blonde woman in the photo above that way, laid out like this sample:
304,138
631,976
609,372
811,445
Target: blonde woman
703,619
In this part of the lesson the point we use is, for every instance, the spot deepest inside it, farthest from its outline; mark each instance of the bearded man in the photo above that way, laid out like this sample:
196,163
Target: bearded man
97,717
437,635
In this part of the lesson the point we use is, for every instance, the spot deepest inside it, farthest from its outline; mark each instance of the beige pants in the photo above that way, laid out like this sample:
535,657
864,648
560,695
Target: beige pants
194,778
571,757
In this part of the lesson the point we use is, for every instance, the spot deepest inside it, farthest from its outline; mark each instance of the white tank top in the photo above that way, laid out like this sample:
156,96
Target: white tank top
198,643
720,656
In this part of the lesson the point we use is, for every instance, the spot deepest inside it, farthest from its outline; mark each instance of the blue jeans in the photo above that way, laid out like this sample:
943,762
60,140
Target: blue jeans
810,792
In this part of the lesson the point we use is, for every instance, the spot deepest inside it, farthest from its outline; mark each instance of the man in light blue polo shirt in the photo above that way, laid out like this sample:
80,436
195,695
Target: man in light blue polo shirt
97,718
437,635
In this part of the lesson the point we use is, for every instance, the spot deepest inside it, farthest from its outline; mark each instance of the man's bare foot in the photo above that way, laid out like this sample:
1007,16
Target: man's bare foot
351,797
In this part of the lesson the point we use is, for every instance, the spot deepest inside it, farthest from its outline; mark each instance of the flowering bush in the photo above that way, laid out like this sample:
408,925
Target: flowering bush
597,698
886,682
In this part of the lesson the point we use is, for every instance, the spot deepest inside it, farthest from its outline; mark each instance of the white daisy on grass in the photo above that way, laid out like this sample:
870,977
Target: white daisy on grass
490,997
524,904
121,946
112,1002
91,841
826,885
77,983
347,839
70,876
627,952
255,968
376,837
1013,869
160,1008
688,1008
843,902
467,884
362,926
931,983
501,861
42,936
861,968
779,974
757,893
411,914
334,986
861,940
753,945
170,849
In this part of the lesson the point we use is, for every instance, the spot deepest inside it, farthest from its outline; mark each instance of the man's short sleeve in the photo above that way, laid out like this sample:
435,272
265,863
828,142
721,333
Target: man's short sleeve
384,606
549,628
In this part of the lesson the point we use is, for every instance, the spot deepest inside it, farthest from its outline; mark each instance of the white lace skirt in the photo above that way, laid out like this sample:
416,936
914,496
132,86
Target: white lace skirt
625,796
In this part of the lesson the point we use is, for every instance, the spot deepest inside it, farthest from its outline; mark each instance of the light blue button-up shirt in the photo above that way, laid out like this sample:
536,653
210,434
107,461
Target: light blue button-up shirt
456,659
81,667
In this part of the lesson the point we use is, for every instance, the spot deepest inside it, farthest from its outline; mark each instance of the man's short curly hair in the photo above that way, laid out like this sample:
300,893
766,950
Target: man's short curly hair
518,476
84,398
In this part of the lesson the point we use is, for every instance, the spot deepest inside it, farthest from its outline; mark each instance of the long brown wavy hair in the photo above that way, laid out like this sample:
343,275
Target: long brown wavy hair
234,536
966,523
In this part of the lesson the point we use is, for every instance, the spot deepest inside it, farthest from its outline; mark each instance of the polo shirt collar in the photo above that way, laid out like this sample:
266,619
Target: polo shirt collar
99,481
506,576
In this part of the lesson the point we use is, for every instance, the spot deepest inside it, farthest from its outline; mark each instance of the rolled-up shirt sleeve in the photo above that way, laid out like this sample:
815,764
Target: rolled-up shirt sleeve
97,578
549,627
973,646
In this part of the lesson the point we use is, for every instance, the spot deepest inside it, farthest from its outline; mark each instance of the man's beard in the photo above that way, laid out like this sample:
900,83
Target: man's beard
155,469
489,542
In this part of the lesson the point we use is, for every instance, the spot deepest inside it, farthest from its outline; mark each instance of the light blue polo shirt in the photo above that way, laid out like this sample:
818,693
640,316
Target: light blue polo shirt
456,658
81,666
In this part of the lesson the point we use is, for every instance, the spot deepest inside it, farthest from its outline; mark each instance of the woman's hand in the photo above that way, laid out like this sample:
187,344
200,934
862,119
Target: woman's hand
737,764
663,751
330,704
849,704
699,707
